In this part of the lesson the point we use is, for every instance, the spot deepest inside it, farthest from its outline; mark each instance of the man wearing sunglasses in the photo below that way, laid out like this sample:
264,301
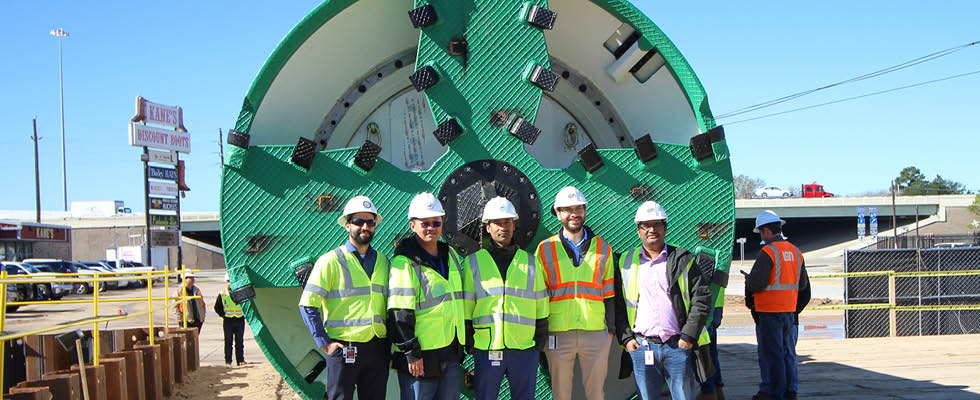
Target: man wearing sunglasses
580,279
344,305
426,307
667,305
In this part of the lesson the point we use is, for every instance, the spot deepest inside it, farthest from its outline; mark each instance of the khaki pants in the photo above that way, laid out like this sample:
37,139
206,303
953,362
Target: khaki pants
592,349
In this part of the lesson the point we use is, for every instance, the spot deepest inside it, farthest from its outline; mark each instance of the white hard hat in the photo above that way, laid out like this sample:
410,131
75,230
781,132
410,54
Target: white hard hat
765,218
649,211
356,205
425,205
189,275
569,196
227,278
498,208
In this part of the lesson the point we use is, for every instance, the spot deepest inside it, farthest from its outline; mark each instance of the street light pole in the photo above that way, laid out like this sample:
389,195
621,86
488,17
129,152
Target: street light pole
61,34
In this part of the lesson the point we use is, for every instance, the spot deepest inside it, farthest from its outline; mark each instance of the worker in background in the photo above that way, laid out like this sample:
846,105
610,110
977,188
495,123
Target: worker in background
233,324
346,294
667,300
507,305
776,290
580,280
195,318
426,307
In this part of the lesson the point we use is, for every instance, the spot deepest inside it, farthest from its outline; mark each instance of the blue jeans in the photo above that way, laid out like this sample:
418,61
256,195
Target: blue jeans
709,386
776,335
671,364
520,366
445,387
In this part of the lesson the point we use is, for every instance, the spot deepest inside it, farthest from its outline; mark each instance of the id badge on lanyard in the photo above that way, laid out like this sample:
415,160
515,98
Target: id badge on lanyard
350,354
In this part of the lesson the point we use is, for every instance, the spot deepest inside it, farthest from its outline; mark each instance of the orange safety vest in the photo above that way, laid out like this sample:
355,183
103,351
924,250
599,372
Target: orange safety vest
784,278
577,293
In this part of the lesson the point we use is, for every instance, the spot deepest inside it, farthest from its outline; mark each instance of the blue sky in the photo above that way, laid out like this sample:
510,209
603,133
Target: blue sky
204,55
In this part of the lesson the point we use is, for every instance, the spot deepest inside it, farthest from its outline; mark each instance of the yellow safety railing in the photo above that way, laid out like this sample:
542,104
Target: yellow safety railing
892,304
95,279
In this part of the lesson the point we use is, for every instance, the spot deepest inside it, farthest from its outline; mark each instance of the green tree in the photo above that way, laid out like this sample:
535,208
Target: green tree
943,186
975,209
912,182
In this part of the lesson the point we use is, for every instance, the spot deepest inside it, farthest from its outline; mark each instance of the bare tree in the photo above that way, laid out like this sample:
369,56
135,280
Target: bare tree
745,186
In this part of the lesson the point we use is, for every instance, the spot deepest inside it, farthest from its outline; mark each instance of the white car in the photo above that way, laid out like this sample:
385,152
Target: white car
54,291
772,191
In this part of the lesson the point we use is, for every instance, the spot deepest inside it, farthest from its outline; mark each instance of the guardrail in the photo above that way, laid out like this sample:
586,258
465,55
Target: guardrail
96,319
892,304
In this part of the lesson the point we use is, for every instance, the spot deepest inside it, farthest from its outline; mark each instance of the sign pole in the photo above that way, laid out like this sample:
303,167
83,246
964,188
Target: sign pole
146,201
180,233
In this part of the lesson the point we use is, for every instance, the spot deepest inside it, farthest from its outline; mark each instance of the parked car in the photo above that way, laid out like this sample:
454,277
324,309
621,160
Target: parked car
41,291
99,267
110,268
129,266
772,191
952,245
66,267
814,190
19,291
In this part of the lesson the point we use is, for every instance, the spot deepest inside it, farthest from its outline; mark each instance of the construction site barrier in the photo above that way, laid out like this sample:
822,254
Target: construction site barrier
94,279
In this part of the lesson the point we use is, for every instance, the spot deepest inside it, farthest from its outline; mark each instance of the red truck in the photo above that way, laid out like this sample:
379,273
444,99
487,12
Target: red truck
815,190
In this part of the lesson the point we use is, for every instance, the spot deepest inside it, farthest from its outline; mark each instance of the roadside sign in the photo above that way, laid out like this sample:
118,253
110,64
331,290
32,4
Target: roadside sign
860,225
159,138
166,238
164,204
163,189
163,220
163,157
153,113
873,226
164,173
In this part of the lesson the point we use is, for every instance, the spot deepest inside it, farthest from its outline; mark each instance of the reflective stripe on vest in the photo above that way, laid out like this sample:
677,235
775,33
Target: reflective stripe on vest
232,310
630,268
576,303
780,294
504,315
351,312
438,317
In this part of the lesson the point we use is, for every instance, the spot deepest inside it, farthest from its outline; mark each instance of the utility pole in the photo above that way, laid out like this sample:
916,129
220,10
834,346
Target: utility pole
37,176
894,224
221,149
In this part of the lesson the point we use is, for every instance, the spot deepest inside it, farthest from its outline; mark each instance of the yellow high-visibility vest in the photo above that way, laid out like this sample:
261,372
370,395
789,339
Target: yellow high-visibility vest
504,311
437,301
577,293
351,303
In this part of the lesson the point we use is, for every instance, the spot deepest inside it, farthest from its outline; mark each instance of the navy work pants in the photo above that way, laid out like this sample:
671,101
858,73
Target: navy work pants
520,366
369,372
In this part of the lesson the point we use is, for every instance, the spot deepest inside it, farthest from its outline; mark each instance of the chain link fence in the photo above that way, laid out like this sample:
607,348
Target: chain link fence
911,241
936,291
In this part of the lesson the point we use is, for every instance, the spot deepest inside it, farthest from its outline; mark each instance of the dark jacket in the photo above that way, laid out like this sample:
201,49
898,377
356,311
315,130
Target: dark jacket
698,282
758,279
402,321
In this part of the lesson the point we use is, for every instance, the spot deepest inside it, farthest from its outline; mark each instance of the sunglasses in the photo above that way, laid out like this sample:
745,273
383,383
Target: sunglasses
650,225
362,221
432,224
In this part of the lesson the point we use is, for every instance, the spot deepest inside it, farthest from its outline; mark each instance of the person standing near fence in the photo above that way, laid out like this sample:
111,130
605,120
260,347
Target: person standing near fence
776,290
195,318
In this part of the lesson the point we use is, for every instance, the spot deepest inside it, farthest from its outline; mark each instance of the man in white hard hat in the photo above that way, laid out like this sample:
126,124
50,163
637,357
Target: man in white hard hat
346,294
426,307
233,324
195,318
776,290
506,307
580,279
667,300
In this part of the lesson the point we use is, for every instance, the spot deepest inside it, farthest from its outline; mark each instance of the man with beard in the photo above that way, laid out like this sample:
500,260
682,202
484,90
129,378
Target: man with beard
426,307
667,302
346,294
509,316
579,268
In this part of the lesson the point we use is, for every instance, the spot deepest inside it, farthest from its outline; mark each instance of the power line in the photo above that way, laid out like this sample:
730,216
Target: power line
907,64
855,97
